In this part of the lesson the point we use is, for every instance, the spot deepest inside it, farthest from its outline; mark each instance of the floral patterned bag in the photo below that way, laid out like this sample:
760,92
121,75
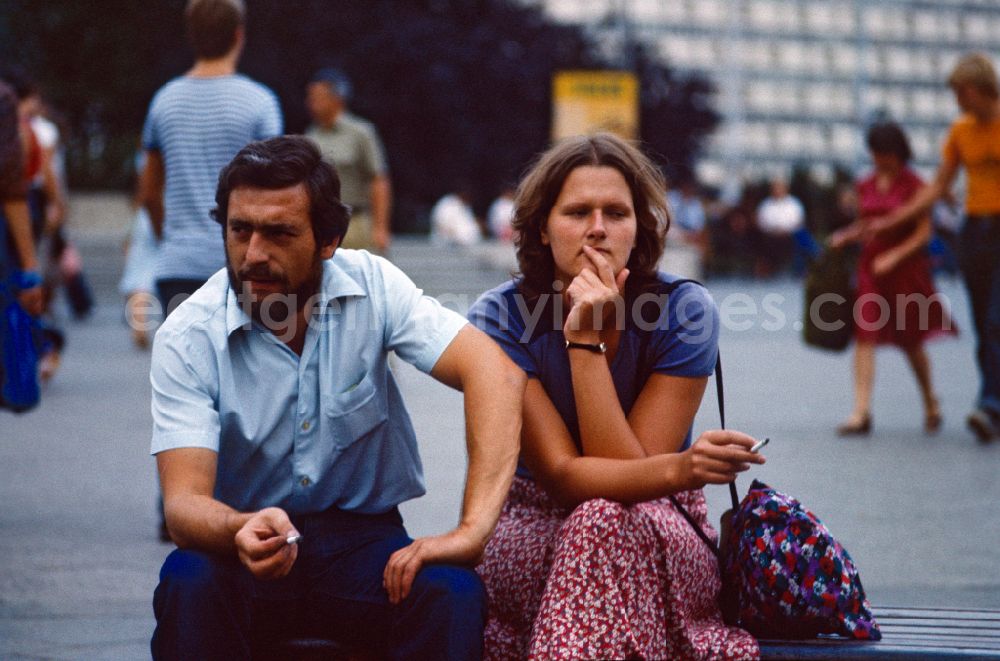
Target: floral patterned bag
791,577
783,574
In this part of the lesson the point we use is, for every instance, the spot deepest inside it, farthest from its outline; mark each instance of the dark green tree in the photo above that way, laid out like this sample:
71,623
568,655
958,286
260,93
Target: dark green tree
98,63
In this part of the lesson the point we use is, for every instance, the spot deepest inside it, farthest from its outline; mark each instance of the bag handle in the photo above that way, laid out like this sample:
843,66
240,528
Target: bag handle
733,496
732,485
694,525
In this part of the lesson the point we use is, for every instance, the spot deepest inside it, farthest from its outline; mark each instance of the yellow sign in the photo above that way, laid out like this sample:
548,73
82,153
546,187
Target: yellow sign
586,102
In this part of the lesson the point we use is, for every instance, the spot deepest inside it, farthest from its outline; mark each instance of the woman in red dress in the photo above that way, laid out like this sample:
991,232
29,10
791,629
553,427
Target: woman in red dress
896,303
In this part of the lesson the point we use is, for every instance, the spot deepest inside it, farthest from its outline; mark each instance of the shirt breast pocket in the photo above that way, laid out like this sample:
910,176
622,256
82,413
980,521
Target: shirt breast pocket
354,414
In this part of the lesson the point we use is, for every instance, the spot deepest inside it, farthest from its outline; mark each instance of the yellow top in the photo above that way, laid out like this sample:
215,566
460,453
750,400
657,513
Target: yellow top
976,146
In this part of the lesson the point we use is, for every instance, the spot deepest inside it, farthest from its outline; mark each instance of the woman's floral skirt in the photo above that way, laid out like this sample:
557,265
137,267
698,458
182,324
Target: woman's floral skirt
604,580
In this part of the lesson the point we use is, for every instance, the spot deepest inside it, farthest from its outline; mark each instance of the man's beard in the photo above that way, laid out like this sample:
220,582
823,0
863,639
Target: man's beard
274,310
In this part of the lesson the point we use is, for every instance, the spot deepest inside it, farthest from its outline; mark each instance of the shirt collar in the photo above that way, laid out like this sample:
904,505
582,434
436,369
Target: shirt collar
336,283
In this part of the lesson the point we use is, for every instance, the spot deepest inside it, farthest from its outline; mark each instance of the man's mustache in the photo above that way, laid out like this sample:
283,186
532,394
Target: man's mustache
259,274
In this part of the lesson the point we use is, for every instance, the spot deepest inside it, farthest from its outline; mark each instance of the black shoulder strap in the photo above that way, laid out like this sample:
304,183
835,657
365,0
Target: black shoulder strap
694,524
733,496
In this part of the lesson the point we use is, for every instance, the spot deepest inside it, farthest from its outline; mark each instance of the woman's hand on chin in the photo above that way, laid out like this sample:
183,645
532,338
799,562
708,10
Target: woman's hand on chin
589,295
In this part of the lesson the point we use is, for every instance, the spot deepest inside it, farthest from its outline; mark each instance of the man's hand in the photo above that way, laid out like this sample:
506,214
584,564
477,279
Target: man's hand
842,237
717,456
263,547
884,264
32,300
455,547
876,226
593,289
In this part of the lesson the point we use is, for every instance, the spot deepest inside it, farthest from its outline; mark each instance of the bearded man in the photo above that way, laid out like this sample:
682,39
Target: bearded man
284,447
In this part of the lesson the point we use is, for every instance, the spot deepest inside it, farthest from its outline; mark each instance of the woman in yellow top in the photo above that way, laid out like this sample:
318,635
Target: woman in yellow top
973,142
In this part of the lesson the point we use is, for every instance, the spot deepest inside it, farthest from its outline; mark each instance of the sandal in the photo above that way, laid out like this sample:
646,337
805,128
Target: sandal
856,426
48,366
140,339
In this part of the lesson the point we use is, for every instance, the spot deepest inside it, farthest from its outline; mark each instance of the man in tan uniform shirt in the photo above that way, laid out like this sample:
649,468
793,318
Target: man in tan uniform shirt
353,146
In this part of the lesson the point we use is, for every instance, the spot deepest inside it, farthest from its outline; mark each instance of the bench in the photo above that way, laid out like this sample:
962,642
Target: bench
907,633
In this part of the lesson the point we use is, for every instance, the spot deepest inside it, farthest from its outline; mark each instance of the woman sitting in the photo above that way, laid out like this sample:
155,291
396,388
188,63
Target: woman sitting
590,560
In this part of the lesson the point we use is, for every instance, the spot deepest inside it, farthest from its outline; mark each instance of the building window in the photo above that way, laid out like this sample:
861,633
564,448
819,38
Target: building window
899,62
844,58
710,13
844,141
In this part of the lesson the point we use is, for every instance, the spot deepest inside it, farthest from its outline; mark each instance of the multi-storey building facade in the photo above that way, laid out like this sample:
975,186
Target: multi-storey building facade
798,80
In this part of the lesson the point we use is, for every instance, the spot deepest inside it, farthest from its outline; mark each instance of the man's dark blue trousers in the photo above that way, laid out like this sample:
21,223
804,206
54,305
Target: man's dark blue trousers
211,607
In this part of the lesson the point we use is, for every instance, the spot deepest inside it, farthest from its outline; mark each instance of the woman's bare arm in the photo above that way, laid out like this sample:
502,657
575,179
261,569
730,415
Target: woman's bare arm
554,461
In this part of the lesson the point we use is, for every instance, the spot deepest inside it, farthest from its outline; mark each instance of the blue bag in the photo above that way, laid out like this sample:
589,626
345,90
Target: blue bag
19,389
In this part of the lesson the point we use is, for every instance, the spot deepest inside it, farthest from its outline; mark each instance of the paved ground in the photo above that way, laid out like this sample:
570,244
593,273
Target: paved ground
79,557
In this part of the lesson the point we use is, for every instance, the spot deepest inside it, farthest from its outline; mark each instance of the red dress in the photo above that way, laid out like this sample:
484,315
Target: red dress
900,307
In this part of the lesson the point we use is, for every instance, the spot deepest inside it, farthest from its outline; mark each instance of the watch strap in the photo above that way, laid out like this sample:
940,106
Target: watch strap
600,347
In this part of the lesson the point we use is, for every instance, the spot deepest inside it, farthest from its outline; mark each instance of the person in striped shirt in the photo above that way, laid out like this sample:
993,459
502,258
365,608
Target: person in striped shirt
195,125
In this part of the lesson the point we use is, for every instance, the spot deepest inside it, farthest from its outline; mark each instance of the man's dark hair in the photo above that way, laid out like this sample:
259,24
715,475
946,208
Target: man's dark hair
888,138
338,81
212,26
283,162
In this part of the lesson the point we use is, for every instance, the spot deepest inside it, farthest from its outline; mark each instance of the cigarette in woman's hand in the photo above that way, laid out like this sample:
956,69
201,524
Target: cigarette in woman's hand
757,446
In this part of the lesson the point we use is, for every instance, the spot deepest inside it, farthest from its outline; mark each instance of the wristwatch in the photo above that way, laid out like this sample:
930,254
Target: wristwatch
600,347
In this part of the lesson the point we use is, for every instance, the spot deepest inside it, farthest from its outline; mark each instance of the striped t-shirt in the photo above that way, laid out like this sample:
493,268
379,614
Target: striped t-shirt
198,125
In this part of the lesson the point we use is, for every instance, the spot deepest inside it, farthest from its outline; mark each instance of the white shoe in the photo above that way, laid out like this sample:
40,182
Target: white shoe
981,424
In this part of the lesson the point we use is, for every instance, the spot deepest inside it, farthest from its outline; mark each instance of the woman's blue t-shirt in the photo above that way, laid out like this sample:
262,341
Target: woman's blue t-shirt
668,329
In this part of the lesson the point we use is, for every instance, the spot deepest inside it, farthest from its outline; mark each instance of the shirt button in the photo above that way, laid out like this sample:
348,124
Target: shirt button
305,481
305,426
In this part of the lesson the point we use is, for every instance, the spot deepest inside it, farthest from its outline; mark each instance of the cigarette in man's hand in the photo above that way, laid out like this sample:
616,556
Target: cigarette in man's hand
757,446
293,539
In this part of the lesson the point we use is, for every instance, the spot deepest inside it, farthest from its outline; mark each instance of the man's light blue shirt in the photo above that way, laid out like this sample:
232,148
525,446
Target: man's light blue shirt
303,433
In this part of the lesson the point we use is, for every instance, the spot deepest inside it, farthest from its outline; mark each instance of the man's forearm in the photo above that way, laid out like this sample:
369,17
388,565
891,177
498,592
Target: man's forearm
152,182
381,203
155,210
493,427
924,199
918,205
19,226
916,242
201,522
